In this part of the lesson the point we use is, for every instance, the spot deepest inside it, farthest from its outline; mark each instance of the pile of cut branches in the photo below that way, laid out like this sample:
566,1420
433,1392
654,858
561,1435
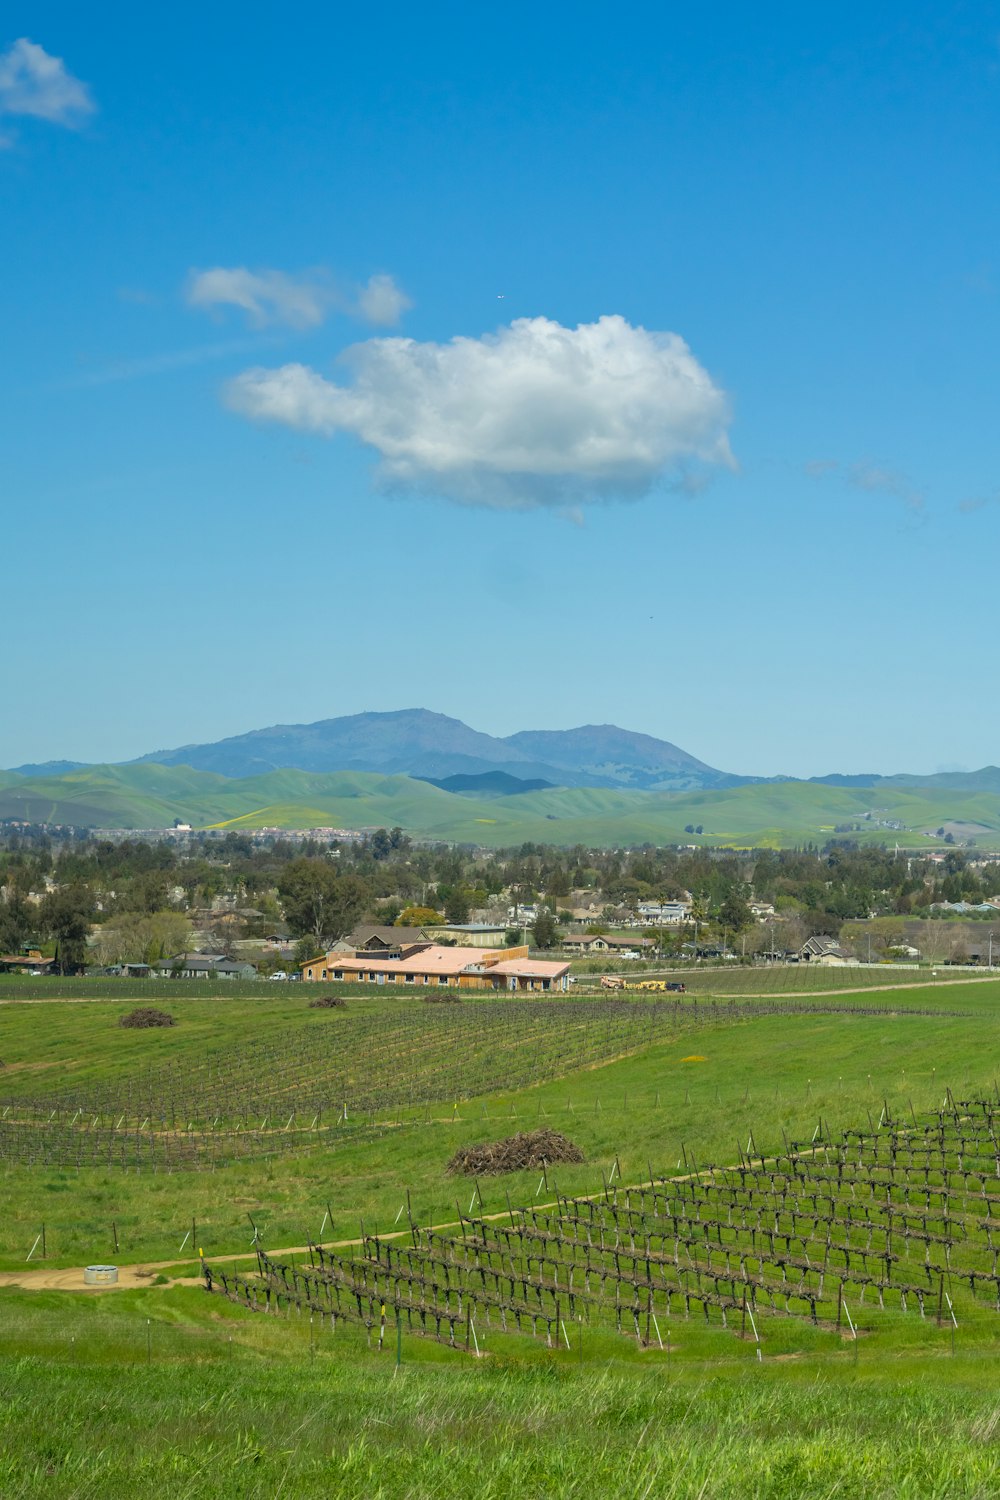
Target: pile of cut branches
327,1002
439,997
146,1015
529,1148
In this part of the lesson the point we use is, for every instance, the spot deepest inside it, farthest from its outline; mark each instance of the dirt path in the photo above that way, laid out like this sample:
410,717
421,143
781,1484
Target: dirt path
861,989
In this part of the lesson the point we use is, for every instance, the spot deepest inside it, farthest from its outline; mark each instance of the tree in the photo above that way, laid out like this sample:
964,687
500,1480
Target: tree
133,937
306,949
17,923
419,916
318,902
545,930
735,915
66,915
456,906
380,844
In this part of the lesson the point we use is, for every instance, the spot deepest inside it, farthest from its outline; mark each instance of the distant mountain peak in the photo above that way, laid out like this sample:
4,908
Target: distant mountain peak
420,742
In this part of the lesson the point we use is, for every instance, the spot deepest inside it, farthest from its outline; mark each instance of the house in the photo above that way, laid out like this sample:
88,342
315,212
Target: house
663,913
28,961
762,911
965,908
382,940
226,968
472,934
203,966
603,942
823,950
438,965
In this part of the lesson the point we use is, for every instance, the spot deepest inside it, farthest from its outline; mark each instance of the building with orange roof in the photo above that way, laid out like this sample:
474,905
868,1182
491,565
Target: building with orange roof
434,964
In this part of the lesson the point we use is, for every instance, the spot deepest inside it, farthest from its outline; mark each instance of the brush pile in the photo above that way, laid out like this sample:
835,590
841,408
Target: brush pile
437,998
531,1148
146,1015
328,1002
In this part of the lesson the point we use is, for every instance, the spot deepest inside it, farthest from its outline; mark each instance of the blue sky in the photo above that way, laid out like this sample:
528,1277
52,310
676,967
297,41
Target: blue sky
774,543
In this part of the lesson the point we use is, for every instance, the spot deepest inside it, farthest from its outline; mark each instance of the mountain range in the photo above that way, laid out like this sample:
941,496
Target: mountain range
439,778
416,742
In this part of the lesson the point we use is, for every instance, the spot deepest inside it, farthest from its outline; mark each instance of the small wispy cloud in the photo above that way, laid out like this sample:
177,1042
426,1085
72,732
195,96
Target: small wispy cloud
977,503
872,478
161,364
876,479
138,296
301,301
35,84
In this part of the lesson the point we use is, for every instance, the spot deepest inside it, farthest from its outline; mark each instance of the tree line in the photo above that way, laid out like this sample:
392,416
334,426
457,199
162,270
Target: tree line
132,899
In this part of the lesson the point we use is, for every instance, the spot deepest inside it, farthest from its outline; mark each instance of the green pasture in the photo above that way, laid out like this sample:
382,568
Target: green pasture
770,814
168,1389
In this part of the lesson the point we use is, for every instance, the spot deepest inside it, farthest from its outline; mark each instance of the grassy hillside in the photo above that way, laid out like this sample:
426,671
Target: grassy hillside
775,813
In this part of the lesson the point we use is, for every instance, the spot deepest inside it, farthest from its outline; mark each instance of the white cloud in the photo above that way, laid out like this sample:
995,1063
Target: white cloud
32,82
534,415
382,302
301,301
266,296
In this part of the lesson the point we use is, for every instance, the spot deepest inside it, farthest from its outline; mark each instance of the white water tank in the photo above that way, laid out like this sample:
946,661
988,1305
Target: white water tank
100,1275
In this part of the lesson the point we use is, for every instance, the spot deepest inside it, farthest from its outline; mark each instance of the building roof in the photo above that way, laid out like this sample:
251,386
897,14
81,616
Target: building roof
434,959
475,926
822,945
191,961
530,968
394,937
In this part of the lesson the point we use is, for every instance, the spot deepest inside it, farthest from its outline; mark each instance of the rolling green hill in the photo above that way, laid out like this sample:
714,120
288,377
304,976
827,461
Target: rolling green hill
777,813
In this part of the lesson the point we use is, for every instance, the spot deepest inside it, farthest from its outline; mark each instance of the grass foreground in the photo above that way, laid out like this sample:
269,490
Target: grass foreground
101,1417
164,1389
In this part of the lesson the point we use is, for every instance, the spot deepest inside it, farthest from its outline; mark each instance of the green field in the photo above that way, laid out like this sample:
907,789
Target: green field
766,814
198,1396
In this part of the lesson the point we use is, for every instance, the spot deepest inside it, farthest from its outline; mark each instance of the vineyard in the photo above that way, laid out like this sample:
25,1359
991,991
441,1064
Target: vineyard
320,1081
903,1217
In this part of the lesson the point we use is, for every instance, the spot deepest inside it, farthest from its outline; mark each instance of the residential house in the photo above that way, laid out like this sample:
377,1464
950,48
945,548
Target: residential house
663,913
203,966
823,950
384,941
603,942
